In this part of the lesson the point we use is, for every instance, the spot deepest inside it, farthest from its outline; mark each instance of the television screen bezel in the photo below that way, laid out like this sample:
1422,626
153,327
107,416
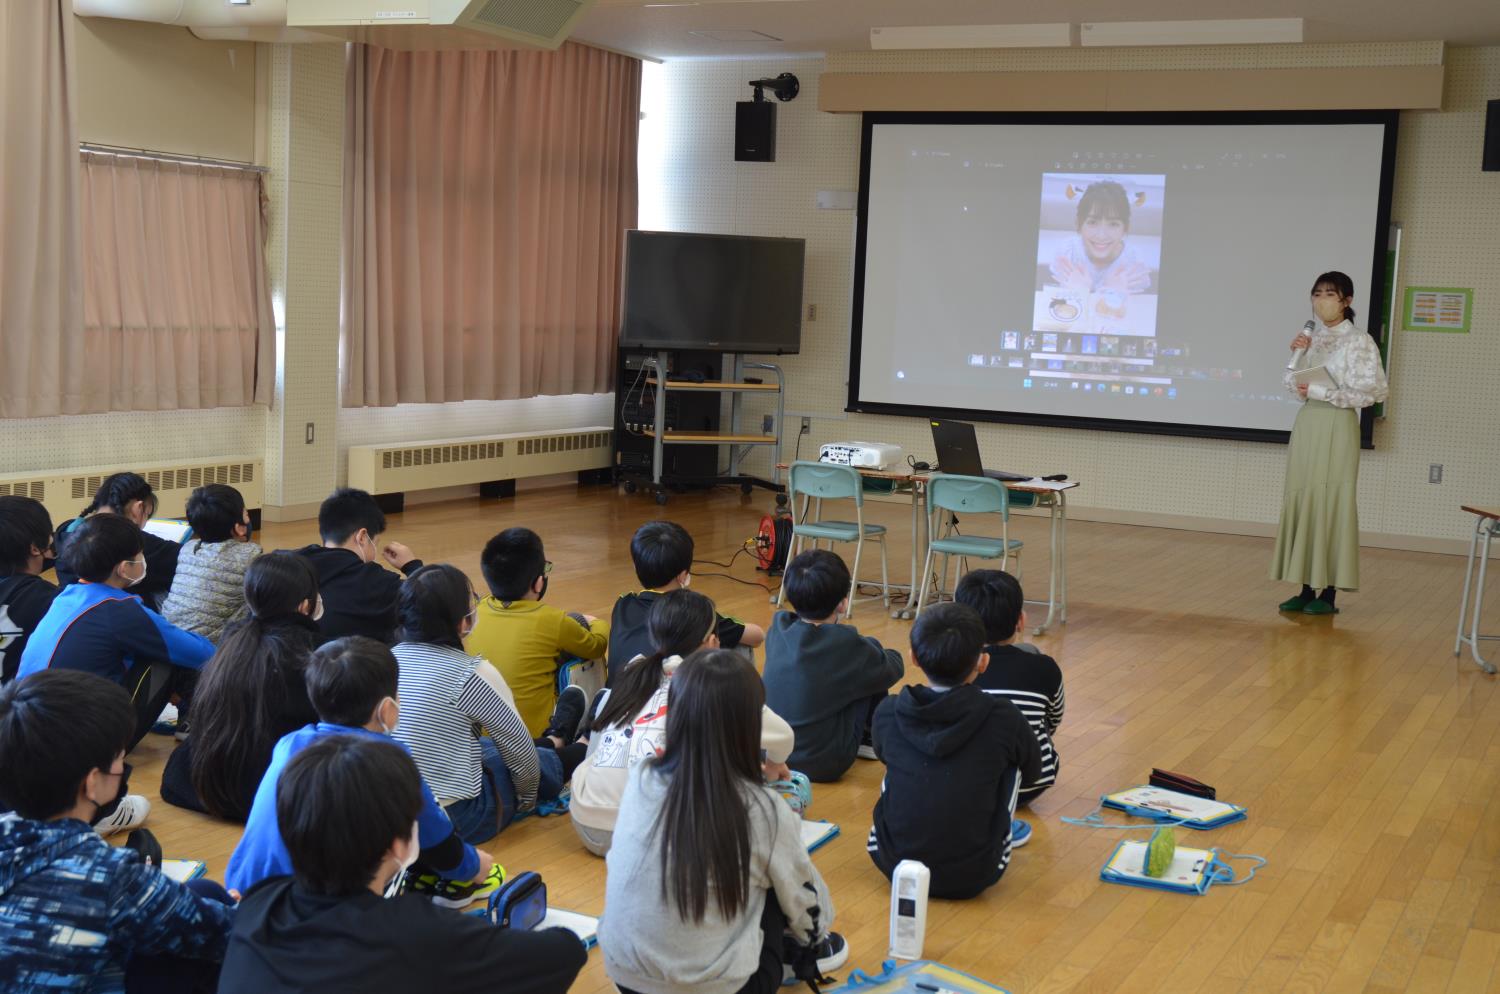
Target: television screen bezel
739,348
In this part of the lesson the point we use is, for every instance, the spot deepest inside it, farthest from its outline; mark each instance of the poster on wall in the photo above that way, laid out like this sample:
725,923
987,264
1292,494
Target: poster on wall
1436,308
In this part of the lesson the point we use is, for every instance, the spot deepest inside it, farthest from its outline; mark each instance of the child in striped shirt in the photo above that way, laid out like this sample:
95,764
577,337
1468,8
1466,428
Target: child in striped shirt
1017,670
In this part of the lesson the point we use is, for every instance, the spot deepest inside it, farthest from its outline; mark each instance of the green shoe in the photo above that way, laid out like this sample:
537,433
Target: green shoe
1294,605
1318,606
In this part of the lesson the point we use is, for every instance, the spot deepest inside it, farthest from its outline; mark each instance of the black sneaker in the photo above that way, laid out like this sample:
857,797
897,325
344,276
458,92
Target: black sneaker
831,952
572,703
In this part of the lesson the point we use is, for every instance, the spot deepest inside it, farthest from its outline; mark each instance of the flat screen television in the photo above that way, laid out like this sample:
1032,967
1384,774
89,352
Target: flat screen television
733,293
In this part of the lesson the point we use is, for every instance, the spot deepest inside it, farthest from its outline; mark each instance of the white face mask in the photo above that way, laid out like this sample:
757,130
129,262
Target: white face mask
138,579
383,726
413,849
317,614
687,580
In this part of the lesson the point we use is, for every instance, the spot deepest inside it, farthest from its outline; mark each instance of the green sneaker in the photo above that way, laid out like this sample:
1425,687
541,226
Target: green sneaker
1317,606
1292,606
462,893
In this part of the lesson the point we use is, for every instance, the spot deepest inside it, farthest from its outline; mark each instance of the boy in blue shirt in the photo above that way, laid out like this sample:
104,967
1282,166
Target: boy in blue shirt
97,626
351,683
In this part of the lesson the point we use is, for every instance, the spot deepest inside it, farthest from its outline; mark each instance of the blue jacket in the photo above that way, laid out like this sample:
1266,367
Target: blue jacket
95,628
262,854
74,909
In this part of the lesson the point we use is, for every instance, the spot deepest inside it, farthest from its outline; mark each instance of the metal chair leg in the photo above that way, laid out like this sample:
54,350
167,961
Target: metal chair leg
926,576
859,545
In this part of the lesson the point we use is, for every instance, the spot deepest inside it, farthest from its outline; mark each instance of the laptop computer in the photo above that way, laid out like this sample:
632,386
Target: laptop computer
958,451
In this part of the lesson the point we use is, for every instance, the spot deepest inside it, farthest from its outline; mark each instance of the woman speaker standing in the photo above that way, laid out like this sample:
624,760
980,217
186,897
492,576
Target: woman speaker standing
1317,543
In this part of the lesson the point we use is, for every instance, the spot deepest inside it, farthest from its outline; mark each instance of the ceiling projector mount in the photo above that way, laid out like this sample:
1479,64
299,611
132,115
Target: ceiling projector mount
784,86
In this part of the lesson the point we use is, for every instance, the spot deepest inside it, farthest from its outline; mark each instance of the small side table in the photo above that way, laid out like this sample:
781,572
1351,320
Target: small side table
1486,527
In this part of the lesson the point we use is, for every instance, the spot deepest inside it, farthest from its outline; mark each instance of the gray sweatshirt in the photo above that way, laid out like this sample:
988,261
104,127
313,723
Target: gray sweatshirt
649,947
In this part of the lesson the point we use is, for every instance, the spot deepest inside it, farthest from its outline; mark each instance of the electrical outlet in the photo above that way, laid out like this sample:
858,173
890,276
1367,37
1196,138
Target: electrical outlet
309,433
812,312
1435,473
806,426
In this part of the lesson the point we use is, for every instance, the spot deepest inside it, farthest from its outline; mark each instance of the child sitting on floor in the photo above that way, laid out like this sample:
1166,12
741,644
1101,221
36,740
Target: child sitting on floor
457,717
347,806
663,555
1017,670
78,914
629,721
823,676
709,886
208,590
352,683
955,759
526,639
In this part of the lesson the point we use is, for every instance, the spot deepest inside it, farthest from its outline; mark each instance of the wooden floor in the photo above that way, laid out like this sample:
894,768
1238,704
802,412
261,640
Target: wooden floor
1367,755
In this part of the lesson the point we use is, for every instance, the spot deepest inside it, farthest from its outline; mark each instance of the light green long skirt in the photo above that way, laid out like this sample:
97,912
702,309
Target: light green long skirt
1318,541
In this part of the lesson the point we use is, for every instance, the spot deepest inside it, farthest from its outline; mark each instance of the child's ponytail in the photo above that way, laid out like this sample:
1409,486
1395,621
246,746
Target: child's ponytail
680,621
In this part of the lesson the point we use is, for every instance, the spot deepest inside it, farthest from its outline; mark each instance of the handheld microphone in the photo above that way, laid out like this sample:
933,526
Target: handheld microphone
1297,354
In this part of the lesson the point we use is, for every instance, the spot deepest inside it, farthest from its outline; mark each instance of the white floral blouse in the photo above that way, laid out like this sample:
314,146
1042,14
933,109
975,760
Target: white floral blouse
1352,359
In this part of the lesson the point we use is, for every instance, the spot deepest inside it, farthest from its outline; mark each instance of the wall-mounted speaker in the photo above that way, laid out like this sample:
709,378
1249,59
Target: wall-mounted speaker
1492,138
755,131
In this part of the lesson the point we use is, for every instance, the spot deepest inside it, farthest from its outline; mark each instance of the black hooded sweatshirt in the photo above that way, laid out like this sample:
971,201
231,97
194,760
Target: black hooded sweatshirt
954,760
289,941
359,598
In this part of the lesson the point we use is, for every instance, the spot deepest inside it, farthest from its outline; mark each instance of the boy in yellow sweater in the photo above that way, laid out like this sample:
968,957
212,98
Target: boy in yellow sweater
525,639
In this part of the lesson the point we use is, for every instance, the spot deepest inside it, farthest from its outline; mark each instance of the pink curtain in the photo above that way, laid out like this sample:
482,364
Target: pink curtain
41,299
177,305
486,196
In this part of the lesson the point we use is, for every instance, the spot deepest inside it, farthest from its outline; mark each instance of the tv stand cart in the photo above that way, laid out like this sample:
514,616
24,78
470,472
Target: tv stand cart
739,442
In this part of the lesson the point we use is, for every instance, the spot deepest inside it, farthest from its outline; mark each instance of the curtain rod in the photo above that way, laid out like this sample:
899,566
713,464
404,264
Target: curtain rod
146,153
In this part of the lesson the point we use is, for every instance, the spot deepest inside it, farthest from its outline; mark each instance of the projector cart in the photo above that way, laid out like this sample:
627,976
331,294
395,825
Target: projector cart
739,442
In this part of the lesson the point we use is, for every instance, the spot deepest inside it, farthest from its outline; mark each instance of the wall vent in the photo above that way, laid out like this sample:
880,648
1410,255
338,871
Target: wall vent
451,462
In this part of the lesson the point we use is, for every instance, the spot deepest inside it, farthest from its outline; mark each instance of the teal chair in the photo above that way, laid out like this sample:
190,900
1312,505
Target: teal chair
816,482
970,496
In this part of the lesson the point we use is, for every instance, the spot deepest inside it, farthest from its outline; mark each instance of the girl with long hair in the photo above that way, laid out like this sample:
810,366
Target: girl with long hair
1317,542
704,850
629,723
130,496
251,692
458,716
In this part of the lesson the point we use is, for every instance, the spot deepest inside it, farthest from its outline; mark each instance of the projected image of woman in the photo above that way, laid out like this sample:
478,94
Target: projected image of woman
1317,544
1099,258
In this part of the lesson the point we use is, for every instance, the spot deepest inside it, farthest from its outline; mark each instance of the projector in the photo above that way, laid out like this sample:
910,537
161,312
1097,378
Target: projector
861,455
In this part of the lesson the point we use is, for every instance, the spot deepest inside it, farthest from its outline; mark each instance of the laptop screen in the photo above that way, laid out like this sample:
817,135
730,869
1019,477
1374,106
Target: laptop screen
957,448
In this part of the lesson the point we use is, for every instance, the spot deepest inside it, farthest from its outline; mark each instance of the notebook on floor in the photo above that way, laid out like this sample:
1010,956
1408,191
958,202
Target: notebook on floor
183,870
816,834
1190,872
1160,804
920,977
586,927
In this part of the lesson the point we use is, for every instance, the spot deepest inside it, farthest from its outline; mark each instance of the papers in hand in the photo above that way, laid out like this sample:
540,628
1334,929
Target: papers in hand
1318,375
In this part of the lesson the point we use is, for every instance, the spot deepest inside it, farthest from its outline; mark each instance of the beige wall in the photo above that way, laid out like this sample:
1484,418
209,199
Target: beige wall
1441,409
159,87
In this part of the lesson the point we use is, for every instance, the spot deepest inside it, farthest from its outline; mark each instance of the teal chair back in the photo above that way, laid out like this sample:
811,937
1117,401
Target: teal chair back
971,494
825,481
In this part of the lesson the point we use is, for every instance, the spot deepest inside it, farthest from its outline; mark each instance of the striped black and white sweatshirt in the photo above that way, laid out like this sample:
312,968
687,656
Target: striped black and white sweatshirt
1033,682
445,693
